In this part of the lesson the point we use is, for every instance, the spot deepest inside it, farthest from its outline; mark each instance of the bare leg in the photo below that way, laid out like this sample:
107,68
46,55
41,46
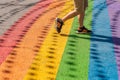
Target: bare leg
73,14
81,28
70,15
81,19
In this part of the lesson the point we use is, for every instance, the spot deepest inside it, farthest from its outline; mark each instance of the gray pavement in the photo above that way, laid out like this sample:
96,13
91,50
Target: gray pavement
12,10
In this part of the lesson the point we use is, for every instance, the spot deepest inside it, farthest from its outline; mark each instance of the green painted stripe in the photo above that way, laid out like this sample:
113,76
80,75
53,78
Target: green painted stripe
75,61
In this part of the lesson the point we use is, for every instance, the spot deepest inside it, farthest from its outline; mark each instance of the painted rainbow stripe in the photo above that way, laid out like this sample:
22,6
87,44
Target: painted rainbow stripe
37,52
102,58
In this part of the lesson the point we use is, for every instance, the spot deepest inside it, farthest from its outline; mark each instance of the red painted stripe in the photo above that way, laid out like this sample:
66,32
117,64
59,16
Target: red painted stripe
10,39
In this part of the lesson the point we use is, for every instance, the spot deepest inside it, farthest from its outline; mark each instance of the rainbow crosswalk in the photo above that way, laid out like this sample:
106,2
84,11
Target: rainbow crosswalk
32,50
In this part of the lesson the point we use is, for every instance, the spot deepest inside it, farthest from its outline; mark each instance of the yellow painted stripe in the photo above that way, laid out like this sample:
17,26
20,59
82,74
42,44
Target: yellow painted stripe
46,63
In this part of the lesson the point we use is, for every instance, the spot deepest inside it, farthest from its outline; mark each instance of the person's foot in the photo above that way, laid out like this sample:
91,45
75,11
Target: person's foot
83,30
58,24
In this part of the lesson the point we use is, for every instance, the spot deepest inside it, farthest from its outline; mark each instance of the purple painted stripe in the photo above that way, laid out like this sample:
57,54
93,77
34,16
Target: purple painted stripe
114,13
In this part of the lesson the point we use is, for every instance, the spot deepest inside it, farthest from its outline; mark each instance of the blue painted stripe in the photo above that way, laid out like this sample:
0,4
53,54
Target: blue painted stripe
102,57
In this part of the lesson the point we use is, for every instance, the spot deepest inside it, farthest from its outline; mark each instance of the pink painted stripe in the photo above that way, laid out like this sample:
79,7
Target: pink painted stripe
13,36
114,12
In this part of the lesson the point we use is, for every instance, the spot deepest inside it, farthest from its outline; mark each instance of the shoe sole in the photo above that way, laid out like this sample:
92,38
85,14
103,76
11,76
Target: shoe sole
83,32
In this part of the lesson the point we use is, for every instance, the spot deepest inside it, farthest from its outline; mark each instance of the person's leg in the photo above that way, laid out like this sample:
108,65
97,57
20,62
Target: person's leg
59,22
75,12
81,28
70,15
81,19
80,6
81,16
